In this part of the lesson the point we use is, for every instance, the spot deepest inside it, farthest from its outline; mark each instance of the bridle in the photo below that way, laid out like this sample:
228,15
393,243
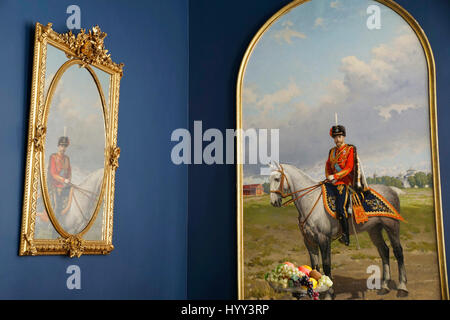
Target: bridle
308,190
283,195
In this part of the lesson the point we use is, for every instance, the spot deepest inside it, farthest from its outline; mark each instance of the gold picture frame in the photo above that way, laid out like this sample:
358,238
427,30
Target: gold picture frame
83,51
440,244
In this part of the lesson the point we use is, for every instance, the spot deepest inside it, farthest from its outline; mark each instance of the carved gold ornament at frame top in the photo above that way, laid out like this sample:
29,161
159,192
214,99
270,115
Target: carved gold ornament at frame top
88,46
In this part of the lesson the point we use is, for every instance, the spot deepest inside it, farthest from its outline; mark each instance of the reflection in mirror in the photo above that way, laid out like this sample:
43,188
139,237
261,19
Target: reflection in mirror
55,59
74,149
43,226
95,232
104,80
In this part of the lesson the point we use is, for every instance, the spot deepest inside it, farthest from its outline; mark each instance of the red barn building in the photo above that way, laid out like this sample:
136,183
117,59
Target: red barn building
253,190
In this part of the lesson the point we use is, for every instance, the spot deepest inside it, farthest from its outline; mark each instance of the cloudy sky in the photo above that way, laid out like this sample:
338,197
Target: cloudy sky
76,105
320,58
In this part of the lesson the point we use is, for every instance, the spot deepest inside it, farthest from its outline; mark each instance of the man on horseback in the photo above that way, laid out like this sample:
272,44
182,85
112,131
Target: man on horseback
60,174
339,171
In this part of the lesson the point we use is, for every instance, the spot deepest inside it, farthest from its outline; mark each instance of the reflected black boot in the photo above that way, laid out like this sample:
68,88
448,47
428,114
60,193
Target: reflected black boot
345,238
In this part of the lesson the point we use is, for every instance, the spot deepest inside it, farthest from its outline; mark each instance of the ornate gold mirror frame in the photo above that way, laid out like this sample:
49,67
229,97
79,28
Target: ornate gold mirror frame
440,243
85,50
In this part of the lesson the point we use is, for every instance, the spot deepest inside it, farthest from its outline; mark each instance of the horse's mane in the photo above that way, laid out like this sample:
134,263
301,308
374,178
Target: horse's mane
299,171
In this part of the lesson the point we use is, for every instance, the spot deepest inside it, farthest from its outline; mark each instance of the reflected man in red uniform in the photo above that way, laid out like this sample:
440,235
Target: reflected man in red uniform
339,172
60,174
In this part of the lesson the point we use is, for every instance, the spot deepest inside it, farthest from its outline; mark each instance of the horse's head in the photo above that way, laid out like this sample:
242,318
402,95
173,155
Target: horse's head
279,185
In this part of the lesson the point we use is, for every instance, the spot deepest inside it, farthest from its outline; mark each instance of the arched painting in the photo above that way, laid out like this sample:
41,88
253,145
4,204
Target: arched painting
350,206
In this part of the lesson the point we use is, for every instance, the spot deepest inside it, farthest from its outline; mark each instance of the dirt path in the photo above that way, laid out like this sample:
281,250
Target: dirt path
350,278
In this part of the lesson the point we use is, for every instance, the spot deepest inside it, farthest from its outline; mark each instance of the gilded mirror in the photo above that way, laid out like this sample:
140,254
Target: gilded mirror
72,151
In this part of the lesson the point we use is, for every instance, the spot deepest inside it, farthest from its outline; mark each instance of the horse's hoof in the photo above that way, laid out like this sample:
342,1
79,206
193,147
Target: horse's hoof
402,293
328,296
383,291
297,295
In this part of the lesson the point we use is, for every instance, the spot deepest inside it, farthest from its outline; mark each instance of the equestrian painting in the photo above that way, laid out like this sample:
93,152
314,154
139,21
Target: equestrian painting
354,192
75,151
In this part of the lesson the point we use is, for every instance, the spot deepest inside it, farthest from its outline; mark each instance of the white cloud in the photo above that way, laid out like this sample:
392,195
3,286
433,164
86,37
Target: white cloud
337,93
272,109
283,95
366,75
255,179
335,4
402,50
404,28
287,34
318,22
396,66
385,112
249,95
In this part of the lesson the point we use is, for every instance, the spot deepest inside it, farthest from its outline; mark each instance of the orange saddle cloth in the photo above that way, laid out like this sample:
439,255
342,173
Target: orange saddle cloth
365,204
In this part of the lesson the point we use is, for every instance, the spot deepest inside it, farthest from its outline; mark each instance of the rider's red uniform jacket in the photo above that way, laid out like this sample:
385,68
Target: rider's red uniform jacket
340,164
59,169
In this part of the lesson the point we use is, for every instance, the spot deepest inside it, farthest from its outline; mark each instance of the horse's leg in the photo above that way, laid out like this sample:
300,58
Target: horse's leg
325,250
393,231
377,238
313,250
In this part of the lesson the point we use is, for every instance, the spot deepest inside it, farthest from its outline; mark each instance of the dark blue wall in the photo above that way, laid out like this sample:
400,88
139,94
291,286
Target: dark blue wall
150,235
220,32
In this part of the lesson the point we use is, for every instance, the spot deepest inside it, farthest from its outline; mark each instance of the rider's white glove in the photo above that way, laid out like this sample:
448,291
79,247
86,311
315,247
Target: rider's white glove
66,181
331,178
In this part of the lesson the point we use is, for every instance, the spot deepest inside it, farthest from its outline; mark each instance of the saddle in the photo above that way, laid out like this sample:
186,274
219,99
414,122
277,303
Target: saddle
365,204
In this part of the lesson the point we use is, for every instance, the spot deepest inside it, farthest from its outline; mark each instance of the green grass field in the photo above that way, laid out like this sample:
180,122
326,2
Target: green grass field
272,236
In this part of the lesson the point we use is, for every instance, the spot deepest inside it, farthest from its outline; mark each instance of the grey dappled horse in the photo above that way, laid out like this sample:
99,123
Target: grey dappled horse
320,228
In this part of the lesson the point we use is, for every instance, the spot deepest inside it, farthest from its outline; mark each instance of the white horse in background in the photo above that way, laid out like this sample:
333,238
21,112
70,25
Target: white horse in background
84,198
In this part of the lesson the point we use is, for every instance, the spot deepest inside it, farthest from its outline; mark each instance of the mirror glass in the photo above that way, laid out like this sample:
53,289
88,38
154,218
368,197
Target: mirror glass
74,148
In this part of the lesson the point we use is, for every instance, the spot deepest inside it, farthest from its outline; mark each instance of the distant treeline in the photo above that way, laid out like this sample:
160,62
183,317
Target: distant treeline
420,179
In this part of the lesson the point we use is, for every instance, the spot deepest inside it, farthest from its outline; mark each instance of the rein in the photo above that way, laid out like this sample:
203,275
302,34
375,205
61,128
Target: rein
308,190
84,191
91,195
79,208
284,195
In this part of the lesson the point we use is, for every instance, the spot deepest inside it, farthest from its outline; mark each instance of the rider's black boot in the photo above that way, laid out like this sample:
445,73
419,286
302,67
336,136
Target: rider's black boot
345,238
